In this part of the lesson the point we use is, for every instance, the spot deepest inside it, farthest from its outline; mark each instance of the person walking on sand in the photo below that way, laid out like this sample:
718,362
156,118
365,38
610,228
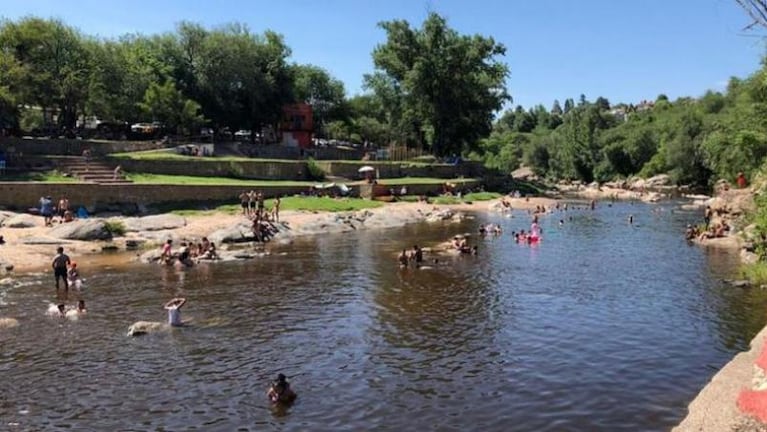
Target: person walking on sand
60,263
276,209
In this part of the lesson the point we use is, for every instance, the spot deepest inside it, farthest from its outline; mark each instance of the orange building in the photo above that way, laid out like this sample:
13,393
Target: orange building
297,125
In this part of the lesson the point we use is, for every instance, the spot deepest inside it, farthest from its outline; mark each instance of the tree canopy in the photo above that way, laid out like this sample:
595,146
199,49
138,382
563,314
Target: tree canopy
441,89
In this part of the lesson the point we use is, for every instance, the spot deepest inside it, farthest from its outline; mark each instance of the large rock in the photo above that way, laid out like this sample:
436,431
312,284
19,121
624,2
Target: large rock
23,221
658,180
5,215
239,233
154,223
84,229
152,255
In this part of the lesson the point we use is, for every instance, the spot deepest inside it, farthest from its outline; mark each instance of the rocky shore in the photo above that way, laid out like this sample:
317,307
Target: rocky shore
30,245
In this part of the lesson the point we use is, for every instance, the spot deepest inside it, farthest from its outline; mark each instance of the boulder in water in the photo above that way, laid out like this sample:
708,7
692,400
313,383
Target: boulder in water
140,328
84,229
6,323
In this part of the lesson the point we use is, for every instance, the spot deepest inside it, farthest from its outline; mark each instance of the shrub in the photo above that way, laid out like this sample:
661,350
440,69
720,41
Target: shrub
315,172
116,228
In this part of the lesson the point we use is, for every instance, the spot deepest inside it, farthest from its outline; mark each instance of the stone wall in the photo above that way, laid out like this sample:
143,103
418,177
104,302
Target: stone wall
211,167
23,195
71,147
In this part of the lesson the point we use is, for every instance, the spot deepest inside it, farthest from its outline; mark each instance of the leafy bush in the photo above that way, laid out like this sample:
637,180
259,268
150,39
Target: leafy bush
315,172
116,228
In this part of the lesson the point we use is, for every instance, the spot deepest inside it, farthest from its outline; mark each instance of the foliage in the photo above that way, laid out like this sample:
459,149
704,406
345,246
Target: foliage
438,88
115,227
316,172
696,141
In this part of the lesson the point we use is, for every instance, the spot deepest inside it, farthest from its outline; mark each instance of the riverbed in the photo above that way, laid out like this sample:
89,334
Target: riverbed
604,325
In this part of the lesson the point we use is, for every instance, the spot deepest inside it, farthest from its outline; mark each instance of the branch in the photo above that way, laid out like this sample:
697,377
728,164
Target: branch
757,10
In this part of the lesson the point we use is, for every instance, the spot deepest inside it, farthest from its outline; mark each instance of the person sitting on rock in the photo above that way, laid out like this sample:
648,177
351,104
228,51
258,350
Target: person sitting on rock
210,253
280,391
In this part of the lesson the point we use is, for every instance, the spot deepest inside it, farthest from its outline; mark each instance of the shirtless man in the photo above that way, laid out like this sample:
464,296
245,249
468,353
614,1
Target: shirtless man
280,391
60,263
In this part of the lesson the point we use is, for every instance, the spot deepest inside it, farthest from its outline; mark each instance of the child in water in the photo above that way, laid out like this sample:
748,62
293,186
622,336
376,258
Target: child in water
280,392
74,276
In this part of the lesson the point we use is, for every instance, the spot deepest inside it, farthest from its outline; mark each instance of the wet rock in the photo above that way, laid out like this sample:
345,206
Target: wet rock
109,248
6,323
440,215
133,244
84,229
23,221
737,283
150,256
5,267
140,328
154,223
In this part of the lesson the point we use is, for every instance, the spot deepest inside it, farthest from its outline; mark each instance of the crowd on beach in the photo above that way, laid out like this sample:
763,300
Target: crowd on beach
262,219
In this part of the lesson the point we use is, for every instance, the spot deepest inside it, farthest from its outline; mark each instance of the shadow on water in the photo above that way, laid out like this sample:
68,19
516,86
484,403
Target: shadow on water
604,325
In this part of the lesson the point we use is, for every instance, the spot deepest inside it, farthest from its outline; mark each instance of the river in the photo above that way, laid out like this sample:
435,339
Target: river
602,326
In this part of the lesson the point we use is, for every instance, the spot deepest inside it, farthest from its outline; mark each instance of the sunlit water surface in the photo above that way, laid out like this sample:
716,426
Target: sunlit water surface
602,326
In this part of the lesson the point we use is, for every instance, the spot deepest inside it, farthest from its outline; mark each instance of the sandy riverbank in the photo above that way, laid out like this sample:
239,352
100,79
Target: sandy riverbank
31,249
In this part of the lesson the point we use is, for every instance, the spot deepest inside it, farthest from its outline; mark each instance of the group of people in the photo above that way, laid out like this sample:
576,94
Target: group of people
188,253
65,273
254,207
48,210
411,257
493,229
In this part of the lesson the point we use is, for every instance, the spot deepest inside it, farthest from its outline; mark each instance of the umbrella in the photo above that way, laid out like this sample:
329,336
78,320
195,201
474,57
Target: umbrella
366,168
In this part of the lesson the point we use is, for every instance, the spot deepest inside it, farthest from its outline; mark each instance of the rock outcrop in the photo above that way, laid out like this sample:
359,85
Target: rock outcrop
22,221
153,223
84,229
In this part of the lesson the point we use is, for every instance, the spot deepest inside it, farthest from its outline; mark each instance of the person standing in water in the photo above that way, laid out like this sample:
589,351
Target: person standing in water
60,263
280,391
174,311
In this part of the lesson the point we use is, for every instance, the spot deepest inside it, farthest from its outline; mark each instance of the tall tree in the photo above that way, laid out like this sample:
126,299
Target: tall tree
451,84
324,93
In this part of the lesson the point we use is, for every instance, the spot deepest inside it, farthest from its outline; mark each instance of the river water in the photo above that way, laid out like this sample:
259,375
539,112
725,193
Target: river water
602,326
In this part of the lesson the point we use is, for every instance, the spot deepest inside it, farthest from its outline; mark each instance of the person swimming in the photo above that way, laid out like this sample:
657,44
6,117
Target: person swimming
280,391
75,313
56,310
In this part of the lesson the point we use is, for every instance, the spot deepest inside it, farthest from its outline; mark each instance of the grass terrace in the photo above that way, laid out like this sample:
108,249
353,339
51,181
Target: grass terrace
299,203
163,179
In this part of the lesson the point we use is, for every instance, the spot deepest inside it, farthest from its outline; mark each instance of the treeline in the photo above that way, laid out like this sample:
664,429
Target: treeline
226,77
432,87
696,141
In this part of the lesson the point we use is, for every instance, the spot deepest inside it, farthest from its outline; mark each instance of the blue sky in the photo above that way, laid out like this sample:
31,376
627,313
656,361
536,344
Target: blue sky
624,50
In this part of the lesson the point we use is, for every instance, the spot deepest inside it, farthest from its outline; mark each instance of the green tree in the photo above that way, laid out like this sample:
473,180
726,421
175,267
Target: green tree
166,103
324,93
450,84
